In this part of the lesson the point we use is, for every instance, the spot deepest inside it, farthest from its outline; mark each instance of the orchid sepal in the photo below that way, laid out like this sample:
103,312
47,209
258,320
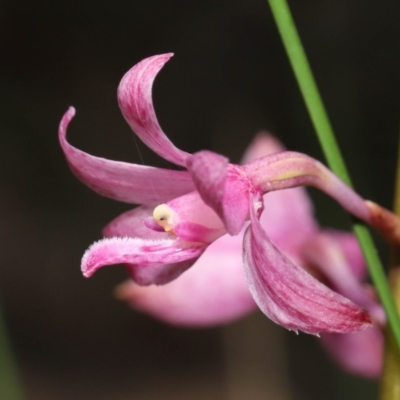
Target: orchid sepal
120,180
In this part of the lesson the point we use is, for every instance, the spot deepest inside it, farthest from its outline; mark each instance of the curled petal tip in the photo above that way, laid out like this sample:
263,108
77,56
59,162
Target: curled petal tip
65,120
71,111
92,260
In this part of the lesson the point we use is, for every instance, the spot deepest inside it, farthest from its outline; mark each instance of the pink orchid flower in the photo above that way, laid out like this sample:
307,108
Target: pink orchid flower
207,295
201,204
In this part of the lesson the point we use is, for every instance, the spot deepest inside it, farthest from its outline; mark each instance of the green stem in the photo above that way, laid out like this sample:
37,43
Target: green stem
390,378
319,117
10,387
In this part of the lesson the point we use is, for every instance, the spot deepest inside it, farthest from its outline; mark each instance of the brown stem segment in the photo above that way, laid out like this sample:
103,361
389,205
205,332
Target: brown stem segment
386,223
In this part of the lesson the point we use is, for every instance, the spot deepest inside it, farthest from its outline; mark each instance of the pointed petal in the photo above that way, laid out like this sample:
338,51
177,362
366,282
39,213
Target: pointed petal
222,186
360,353
290,296
149,259
122,181
136,103
212,292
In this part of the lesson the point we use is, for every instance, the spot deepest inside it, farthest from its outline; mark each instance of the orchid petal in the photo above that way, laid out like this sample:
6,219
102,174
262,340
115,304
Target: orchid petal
136,103
212,292
222,186
359,353
122,181
150,261
289,295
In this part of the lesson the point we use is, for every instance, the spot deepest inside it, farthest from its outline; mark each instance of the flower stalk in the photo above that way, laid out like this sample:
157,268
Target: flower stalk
390,380
320,120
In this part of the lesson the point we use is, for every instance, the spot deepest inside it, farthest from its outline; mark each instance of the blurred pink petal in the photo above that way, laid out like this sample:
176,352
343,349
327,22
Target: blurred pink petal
351,250
261,145
324,253
211,292
337,256
359,353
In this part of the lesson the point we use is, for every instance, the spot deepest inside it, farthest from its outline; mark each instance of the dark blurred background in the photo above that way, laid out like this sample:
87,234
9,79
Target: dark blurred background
229,79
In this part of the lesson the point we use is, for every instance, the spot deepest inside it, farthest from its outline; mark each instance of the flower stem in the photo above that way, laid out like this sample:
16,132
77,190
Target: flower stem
319,117
390,379
9,380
